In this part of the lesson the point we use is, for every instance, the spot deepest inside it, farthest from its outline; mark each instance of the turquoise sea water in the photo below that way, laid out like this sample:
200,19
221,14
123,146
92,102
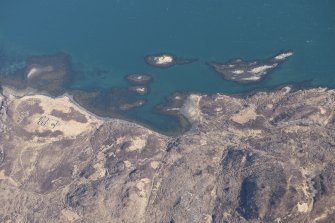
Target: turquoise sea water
116,34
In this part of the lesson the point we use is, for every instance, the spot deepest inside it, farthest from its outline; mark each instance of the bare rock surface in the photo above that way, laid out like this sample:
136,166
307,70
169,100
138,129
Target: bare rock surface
268,157
165,60
139,79
243,72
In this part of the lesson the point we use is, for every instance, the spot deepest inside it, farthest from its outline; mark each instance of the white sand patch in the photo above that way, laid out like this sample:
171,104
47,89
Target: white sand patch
269,106
164,59
245,115
141,90
127,163
238,72
172,109
70,215
154,164
253,78
35,71
262,69
137,143
203,142
191,109
283,56
46,122
99,168
141,186
137,202
287,89
32,72
218,109
303,207
100,171
322,110
3,176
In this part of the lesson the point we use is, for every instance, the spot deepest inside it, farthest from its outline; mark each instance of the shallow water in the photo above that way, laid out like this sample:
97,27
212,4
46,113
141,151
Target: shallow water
116,35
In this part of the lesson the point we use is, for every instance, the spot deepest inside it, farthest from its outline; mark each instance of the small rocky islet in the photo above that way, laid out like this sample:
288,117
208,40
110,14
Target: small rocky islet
243,72
237,70
165,60
140,83
141,90
139,79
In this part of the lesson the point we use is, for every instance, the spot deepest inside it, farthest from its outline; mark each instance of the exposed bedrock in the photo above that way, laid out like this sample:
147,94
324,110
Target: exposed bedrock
165,60
242,71
268,157
139,79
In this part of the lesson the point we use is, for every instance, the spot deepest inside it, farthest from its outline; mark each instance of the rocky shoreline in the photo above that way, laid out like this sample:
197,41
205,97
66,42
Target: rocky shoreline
246,159
264,156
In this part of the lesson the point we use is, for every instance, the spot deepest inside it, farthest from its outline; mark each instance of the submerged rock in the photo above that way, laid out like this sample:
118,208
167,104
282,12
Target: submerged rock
49,73
129,106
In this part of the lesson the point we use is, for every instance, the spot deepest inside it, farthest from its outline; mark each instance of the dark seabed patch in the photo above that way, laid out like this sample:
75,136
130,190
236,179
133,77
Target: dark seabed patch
49,73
